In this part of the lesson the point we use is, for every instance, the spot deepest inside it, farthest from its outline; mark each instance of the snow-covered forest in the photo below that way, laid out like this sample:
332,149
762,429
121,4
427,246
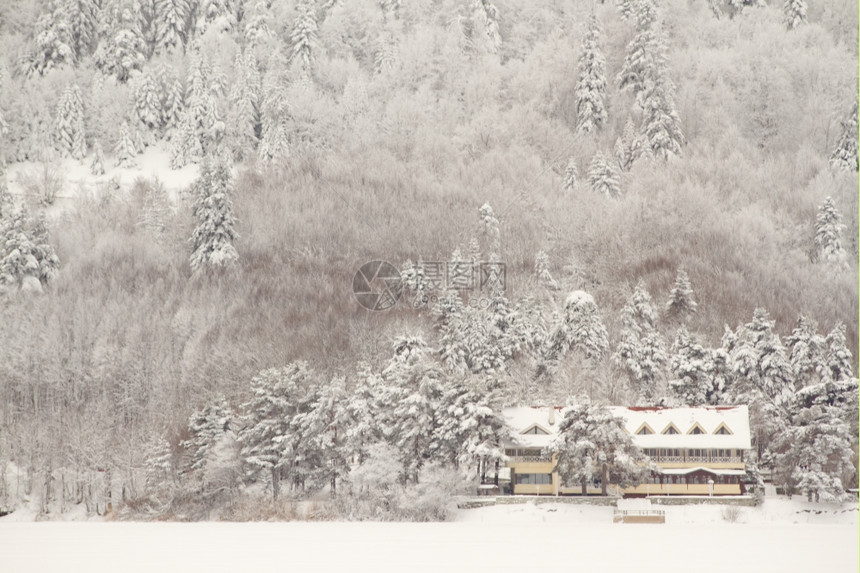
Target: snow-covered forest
670,186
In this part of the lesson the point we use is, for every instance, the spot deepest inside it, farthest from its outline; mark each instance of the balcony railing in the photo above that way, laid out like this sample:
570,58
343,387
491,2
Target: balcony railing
514,459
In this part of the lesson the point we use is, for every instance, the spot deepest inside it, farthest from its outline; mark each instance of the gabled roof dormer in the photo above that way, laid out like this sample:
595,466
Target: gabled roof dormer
723,430
671,429
645,430
696,429
535,429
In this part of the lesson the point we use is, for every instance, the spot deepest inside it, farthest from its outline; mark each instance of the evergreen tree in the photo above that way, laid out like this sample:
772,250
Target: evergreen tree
603,178
579,329
571,174
644,51
845,155
625,8
485,17
53,45
692,367
807,353
324,428
661,125
641,351
123,47
795,13
839,360
244,116
69,132
591,87
592,445
125,149
270,431
213,238
171,18
256,24
385,54
490,231
542,271
172,102
97,167
161,472
828,234
629,147
147,102
366,413
681,303
304,36
27,259
83,21
207,427
760,362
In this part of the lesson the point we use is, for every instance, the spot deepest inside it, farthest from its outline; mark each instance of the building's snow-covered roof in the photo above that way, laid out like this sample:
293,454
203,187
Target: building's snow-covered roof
709,419
685,471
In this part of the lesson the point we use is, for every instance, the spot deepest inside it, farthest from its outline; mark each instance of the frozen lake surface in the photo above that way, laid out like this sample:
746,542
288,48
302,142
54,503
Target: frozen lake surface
554,537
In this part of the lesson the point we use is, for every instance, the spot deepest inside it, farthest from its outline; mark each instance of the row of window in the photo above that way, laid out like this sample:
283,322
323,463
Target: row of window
534,479
672,429
691,453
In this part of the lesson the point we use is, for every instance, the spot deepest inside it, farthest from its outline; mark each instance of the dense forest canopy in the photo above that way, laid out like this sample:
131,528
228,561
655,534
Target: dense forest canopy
686,163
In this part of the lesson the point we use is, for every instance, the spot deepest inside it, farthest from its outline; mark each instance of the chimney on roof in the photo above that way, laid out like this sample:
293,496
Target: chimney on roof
551,415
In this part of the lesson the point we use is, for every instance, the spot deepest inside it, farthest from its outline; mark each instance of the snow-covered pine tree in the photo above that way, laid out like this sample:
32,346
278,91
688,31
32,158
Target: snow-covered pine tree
161,472
661,124
385,54
485,17
844,156
206,427
147,102
795,13
579,328
83,20
324,428
69,124
828,235
172,102
368,415
125,149
269,433
97,167
692,369
591,86
542,271
819,452
760,361
122,48
592,445
53,45
213,238
629,147
625,9
643,50
27,260
602,177
807,353
49,263
171,18
839,360
304,37
641,351
681,303
490,231
571,175
243,119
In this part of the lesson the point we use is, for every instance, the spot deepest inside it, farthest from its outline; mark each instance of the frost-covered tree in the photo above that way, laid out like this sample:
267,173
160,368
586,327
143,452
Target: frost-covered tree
147,101
53,44
27,259
205,85
385,54
681,303
571,175
592,445
579,329
243,118
795,13
661,124
271,428
693,369
807,353
819,451
215,233
629,147
323,430
97,166
542,271
602,177
206,427
844,156
256,23
303,37
69,134
485,19
125,149
828,234
641,351
644,51
760,361
591,86
172,99
839,360
123,47
490,230
625,8
171,19
161,472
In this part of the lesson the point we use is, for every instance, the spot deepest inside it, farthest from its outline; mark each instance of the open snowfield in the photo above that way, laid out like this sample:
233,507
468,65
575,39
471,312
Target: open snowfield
782,536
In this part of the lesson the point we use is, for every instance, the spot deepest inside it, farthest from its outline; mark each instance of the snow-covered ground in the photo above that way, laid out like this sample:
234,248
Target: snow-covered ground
780,536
